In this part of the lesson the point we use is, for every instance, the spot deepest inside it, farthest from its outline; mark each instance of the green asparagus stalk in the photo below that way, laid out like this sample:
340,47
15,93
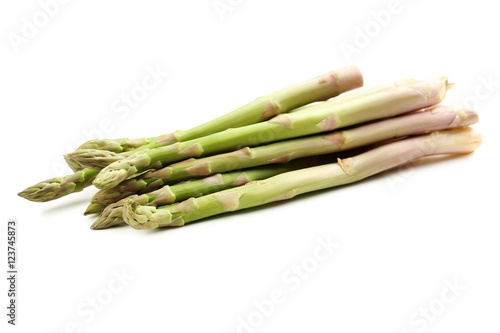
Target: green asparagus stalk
431,119
428,120
320,88
315,119
55,188
99,158
144,185
58,187
294,183
112,214
51,189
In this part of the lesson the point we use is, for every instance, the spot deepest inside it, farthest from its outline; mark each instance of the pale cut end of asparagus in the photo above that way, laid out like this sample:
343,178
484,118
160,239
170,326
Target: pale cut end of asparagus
461,117
434,90
453,141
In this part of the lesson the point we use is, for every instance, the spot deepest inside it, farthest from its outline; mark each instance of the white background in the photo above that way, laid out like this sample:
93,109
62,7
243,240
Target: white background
402,234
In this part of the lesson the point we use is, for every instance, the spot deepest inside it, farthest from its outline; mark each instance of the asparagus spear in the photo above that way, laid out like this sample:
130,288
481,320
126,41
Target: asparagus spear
98,158
427,120
112,214
311,120
320,88
132,186
291,184
434,118
57,187
111,145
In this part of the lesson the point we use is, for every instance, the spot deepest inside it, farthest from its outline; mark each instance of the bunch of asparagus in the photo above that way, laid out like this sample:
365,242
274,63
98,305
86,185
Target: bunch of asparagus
277,146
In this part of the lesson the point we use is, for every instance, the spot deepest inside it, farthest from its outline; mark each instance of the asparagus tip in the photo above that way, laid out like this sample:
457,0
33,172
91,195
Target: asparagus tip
43,191
110,178
94,209
141,217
